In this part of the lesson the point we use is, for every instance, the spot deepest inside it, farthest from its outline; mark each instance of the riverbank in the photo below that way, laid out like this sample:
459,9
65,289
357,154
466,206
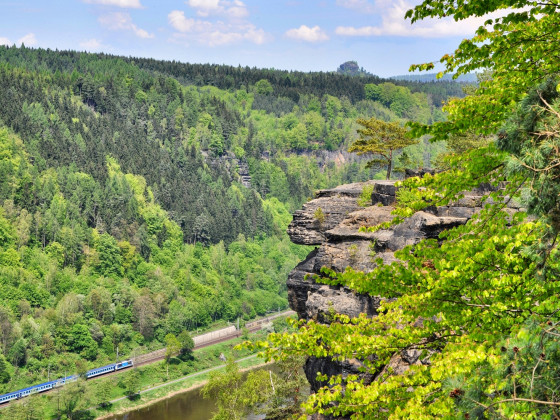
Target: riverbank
192,382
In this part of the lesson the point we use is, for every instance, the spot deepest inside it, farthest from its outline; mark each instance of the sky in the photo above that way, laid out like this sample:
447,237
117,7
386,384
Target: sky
305,35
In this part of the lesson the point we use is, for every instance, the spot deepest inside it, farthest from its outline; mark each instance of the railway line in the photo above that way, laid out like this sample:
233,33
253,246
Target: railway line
213,337
201,341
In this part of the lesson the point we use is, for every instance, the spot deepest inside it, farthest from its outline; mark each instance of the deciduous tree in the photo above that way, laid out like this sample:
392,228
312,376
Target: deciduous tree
234,395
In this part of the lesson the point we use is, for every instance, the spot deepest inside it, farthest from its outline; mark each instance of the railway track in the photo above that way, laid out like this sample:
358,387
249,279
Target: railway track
220,336
252,326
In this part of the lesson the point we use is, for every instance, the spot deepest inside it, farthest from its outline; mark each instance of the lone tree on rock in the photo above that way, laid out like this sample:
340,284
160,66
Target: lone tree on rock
381,139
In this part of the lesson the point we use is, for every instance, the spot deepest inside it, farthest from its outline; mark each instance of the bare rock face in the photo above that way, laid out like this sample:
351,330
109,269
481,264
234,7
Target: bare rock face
384,193
329,208
330,368
334,222
327,301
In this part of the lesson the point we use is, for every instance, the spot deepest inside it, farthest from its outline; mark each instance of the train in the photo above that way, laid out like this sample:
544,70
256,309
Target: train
200,341
16,395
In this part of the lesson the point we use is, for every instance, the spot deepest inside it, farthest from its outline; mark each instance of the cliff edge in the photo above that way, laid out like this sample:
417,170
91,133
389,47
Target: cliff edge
332,222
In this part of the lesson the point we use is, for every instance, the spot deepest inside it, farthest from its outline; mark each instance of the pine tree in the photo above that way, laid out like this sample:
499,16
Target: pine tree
381,139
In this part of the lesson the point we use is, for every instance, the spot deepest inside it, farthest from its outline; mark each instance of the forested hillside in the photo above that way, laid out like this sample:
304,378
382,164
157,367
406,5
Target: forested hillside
138,200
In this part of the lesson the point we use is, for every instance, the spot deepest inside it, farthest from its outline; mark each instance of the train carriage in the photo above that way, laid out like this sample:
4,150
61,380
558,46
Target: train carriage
16,395
100,371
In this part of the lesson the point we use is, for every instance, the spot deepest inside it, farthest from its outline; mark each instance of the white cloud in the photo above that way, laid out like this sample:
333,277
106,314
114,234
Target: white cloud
119,21
204,7
29,40
125,4
181,23
393,23
214,33
234,9
92,45
362,6
256,36
305,33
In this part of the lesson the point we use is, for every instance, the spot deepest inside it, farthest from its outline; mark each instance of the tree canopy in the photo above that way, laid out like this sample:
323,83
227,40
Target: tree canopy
141,198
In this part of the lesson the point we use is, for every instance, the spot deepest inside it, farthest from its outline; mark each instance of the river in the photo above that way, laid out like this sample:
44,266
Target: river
189,405
186,406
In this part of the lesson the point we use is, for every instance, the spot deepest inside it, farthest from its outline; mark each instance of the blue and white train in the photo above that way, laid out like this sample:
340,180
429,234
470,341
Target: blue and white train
16,395
109,368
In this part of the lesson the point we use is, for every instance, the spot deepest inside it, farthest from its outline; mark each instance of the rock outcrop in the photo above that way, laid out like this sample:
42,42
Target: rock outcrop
332,221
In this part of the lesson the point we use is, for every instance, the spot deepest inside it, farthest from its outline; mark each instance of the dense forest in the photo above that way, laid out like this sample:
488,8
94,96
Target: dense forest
140,198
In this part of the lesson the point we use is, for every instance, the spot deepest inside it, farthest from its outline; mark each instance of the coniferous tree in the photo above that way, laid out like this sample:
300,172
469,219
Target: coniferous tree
382,140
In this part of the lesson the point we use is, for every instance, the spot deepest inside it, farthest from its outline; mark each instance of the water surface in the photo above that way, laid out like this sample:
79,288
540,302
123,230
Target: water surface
188,405
185,406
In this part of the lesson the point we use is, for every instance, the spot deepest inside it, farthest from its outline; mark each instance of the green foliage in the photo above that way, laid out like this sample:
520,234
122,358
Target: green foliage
172,346
263,87
122,215
319,216
521,378
4,374
109,255
6,231
365,197
186,343
28,409
73,399
381,139
18,353
525,25
98,293
290,387
466,311
531,136
234,395
132,383
80,341
104,392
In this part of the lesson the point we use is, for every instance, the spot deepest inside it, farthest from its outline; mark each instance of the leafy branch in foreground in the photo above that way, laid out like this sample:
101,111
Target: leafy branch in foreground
519,49
480,287
456,300
235,395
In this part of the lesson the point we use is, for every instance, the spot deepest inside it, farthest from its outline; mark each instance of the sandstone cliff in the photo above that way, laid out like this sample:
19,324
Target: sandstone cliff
332,221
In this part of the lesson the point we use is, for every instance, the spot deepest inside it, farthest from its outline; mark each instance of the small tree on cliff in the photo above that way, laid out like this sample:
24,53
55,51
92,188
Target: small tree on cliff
381,139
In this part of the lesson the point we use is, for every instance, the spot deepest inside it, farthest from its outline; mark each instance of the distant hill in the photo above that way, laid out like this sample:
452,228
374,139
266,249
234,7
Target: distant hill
351,68
431,77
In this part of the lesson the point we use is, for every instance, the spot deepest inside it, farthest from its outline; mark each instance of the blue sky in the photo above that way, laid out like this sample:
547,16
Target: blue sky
307,35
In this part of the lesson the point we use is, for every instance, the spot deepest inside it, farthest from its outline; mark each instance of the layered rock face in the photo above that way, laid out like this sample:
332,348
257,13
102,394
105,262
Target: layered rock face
332,221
